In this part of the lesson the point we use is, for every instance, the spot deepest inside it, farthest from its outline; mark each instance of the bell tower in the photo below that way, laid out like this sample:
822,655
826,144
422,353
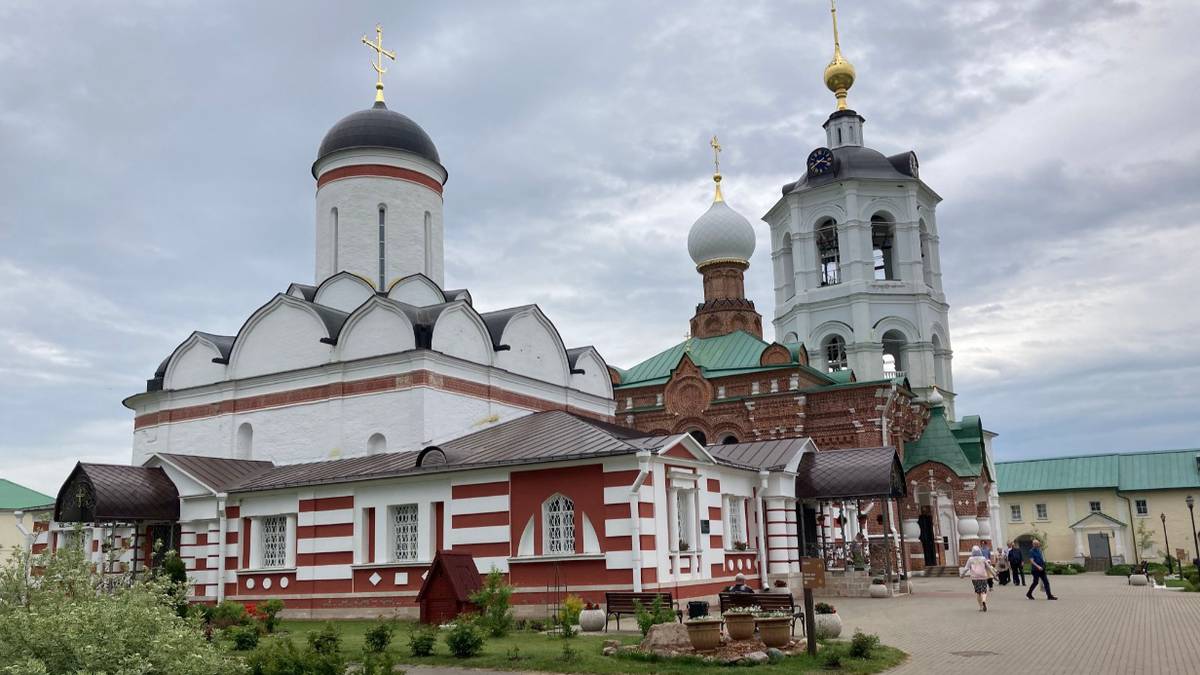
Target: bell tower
854,245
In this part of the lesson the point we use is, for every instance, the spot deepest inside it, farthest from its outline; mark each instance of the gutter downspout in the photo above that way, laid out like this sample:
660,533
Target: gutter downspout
762,529
635,517
222,529
884,420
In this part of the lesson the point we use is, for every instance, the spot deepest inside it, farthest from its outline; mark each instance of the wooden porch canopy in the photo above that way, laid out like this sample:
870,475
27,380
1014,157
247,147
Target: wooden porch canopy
850,474
111,493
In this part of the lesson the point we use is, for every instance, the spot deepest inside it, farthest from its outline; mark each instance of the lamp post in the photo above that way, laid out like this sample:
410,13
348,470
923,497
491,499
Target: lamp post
1192,512
1167,541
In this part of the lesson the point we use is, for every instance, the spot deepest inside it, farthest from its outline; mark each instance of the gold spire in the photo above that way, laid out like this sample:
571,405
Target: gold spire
839,74
380,52
716,146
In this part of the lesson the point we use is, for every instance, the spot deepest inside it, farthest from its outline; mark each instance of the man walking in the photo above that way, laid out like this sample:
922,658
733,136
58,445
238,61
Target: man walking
1037,564
1016,564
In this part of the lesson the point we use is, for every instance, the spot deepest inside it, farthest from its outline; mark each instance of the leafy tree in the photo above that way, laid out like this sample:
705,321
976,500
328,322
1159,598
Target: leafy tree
494,602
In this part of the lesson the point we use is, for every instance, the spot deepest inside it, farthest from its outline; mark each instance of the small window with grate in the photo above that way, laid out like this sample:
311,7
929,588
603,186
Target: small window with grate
1143,509
558,519
274,541
405,532
1094,506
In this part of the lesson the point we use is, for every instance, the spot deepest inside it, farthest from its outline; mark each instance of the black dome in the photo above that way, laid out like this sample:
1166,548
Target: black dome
378,127
853,161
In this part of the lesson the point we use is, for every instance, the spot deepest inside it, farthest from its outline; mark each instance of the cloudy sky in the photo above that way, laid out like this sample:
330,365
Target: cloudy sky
155,180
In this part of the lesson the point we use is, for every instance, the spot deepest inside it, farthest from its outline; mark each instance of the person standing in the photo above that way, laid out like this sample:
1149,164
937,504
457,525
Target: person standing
987,553
1037,564
1017,564
981,571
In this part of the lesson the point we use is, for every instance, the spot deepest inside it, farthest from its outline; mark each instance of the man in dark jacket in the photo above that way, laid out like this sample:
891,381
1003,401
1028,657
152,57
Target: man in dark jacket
739,585
1037,567
1017,564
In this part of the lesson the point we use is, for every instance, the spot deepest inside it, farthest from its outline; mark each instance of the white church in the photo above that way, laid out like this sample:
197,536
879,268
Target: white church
355,427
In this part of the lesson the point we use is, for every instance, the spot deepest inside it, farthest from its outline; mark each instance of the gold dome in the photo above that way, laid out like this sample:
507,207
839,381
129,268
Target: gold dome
839,74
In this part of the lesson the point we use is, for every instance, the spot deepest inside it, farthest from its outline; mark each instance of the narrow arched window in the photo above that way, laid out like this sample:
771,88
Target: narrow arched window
700,437
893,354
244,448
558,521
926,258
729,440
429,244
829,257
883,235
382,247
787,267
376,444
835,353
333,226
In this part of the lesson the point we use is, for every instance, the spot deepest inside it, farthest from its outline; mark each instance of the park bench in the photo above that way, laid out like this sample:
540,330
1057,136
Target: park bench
768,602
618,603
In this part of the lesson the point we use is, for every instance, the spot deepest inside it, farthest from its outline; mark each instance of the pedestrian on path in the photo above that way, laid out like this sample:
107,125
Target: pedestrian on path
1037,563
987,553
1017,563
981,571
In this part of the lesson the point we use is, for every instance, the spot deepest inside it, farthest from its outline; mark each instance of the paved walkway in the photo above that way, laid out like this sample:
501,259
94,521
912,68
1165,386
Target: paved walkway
1098,625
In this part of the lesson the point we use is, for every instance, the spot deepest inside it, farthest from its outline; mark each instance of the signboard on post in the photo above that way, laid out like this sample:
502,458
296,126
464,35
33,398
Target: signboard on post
812,574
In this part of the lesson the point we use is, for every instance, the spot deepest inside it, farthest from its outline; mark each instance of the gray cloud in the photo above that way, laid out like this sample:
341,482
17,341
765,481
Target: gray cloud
157,155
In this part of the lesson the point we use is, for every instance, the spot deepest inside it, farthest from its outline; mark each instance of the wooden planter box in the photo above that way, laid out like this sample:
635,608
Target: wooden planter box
775,632
705,635
740,626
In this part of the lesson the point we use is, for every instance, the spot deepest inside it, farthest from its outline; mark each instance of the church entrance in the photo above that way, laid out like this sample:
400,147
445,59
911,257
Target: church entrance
928,545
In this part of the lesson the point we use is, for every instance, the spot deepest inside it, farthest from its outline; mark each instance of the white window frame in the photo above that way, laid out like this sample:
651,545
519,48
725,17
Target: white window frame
1014,513
735,521
558,525
403,545
1041,511
281,538
1094,506
1141,507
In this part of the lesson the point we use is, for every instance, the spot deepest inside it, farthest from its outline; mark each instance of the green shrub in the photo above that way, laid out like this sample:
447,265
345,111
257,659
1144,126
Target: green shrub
658,613
229,613
1077,567
69,620
536,625
824,608
1119,570
832,658
377,663
493,600
276,656
244,638
862,645
464,639
568,613
421,641
378,637
268,614
326,641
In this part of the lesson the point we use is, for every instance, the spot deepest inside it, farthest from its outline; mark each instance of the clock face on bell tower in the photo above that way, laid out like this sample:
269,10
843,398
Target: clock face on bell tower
820,162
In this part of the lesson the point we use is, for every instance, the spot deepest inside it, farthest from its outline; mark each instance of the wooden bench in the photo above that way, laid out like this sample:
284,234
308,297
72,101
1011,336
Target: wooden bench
616,604
768,602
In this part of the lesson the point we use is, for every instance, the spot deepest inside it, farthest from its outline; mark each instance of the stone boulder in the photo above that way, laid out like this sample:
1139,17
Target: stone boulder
756,658
666,638
775,655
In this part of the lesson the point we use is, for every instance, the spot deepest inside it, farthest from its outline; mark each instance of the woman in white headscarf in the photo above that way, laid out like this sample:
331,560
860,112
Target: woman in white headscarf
980,569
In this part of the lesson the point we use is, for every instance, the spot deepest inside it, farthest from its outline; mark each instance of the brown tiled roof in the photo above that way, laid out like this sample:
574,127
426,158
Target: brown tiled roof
759,454
116,492
539,437
217,473
861,472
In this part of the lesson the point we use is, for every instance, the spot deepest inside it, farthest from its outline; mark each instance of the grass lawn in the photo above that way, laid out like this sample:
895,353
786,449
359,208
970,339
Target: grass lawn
534,651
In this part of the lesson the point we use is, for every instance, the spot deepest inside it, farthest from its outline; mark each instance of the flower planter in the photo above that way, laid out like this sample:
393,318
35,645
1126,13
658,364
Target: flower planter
828,625
1138,580
705,634
879,591
591,620
739,626
775,631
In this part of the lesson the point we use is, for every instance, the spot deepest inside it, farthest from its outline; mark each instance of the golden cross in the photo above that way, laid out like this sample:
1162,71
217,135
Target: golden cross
687,344
380,52
716,146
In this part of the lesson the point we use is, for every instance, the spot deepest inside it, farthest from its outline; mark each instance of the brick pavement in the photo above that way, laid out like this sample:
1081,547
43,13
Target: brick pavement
1099,625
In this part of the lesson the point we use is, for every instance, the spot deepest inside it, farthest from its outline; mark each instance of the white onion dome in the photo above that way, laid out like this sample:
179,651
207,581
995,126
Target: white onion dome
935,399
721,235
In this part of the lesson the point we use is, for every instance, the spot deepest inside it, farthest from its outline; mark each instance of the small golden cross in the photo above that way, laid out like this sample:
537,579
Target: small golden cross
380,52
716,146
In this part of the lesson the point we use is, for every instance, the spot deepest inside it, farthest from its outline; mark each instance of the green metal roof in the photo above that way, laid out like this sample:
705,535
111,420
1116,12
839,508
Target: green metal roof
939,443
969,433
736,353
1160,470
13,496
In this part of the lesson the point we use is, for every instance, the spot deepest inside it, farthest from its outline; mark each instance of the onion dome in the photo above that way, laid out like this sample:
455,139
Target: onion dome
935,399
721,234
378,127
839,74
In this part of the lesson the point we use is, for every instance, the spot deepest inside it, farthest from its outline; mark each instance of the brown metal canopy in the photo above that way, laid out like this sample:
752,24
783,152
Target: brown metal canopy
97,493
845,474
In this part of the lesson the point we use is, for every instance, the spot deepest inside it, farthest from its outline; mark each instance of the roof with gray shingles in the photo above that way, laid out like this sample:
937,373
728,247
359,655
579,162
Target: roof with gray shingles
761,455
843,474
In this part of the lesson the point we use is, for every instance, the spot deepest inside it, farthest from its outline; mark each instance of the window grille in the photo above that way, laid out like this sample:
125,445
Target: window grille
405,531
1094,506
560,525
274,541
1143,509
737,529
